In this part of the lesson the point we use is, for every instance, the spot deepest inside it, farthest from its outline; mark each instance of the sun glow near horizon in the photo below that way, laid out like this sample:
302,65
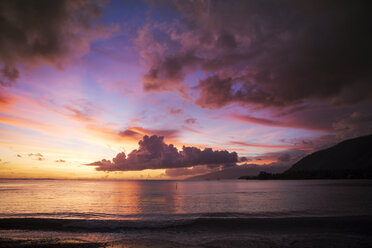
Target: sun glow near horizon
73,99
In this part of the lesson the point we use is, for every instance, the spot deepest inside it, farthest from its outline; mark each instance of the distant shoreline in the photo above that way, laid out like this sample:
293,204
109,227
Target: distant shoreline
312,175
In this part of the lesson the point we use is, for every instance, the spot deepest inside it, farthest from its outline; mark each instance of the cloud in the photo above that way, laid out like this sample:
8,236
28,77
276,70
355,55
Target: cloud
83,110
313,143
165,70
193,130
38,156
5,99
46,31
80,115
292,150
35,155
173,111
301,147
182,172
255,120
282,158
267,54
285,157
153,153
129,133
241,143
3,162
354,125
244,159
8,73
138,132
238,171
277,123
19,156
60,161
190,121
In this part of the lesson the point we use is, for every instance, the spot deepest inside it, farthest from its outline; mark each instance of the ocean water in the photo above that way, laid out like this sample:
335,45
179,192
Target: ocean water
162,201
185,212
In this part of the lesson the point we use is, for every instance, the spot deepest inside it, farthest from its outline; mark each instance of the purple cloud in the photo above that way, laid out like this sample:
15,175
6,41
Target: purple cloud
40,31
153,153
268,54
174,111
138,132
190,121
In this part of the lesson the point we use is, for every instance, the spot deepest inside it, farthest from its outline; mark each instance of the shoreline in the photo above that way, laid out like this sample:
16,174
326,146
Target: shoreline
347,223
341,231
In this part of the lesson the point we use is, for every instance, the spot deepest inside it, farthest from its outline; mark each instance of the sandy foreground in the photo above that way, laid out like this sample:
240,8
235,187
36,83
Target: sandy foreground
257,232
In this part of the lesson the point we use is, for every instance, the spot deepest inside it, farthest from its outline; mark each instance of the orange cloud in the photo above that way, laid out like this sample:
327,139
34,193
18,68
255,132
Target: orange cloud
30,124
78,115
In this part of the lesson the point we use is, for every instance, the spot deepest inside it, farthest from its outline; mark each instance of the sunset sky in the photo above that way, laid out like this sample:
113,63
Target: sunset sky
83,81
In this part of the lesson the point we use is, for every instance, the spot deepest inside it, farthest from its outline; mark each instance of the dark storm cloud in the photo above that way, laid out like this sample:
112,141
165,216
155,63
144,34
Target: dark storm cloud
153,153
354,125
347,121
9,73
264,53
37,31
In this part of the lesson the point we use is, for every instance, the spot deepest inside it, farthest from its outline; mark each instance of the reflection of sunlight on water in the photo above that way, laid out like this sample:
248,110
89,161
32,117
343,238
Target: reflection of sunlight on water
157,200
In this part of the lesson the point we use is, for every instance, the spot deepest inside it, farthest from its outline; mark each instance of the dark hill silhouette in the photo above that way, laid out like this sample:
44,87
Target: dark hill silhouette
349,159
352,154
236,171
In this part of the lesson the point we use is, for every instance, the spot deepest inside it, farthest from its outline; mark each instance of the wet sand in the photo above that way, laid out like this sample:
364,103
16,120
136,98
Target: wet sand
352,231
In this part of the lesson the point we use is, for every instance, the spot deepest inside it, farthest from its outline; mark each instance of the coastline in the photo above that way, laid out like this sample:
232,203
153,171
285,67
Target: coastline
335,231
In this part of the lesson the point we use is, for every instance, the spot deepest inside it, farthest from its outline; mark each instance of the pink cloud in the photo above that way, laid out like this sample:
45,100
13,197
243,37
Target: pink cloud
240,143
276,123
138,132
153,153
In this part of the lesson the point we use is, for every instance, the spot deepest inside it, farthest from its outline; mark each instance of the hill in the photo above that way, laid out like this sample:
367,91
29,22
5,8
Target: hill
349,159
352,154
236,171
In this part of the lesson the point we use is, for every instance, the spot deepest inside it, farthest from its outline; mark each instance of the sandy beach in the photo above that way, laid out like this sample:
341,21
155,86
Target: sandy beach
341,231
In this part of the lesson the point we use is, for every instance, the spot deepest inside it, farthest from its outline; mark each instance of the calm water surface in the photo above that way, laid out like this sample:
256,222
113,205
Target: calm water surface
146,200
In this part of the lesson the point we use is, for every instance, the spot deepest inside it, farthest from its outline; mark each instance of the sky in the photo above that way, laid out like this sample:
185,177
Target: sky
171,89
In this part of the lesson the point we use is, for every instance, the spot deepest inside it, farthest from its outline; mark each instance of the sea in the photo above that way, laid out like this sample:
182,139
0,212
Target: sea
92,210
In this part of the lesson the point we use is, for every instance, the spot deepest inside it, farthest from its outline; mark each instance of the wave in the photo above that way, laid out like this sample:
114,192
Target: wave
206,221
86,225
169,216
